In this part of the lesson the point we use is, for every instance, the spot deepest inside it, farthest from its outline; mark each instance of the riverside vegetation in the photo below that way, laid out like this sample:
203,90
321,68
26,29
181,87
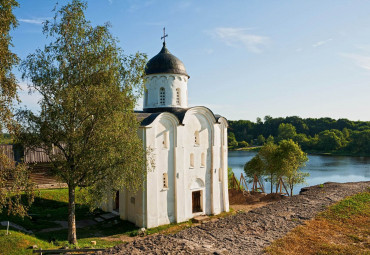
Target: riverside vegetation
322,135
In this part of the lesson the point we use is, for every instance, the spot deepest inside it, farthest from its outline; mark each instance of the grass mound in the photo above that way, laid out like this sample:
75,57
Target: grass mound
16,243
341,229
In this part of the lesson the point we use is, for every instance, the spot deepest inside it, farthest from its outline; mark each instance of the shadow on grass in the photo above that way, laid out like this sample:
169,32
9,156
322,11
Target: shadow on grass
44,212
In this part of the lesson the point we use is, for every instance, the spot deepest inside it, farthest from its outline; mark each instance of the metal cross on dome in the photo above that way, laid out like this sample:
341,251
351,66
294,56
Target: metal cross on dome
164,35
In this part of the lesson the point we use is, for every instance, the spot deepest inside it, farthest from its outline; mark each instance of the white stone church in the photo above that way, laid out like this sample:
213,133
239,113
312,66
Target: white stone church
189,148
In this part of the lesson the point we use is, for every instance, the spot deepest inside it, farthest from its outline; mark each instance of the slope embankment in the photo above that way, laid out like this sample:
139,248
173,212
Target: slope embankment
246,233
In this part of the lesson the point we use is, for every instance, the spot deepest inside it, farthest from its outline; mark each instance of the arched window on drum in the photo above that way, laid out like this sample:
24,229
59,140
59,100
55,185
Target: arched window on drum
178,102
162,96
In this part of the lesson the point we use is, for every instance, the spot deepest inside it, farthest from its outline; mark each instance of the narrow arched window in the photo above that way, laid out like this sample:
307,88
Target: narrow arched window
196,138
178,96
165,180
220,174
146,97
191,160
162,96
165,139
203,160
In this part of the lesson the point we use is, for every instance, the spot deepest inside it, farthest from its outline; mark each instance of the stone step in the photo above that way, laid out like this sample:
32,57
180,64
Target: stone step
201,219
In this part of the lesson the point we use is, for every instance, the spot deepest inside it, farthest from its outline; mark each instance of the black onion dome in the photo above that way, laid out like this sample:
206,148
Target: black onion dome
165,62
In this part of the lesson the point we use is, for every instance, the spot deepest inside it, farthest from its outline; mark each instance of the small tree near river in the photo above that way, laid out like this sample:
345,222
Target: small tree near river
279,161
86,124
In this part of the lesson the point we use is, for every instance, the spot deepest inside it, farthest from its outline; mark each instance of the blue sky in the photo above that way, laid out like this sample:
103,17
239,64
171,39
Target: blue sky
246,59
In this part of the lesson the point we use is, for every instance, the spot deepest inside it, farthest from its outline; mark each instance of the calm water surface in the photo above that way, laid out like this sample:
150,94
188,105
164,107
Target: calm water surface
321,168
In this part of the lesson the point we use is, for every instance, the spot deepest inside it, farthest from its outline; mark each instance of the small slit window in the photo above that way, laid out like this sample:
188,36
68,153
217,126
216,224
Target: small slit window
203,160
196,138
191,160
162,96
146,97
165,140
220,174
178,96
165,181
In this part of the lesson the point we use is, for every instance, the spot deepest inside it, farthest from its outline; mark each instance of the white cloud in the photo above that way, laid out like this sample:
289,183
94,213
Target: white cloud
37,21
320,43
237,37
360,60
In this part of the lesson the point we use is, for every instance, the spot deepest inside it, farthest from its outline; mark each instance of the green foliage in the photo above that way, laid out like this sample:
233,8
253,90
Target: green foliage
278,161
340,136
286,131
243,144
87,124
254,167
13,178
5,139
230,176
358,204
261,140
270,139
231,140
292,159
329,140
14,181
8,82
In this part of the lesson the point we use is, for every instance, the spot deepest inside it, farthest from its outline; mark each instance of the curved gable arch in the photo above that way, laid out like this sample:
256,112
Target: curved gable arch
208,116
172,119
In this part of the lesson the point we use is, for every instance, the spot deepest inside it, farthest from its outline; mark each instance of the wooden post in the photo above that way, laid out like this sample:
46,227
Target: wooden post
242,180
286,190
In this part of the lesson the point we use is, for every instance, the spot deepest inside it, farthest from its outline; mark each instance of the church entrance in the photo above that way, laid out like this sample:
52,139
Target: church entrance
196,202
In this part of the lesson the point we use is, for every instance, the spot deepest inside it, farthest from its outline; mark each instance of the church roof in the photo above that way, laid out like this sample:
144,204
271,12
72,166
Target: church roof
165,62
149,115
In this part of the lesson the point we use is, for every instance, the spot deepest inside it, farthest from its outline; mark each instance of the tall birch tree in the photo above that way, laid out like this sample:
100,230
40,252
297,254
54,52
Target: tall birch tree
86,124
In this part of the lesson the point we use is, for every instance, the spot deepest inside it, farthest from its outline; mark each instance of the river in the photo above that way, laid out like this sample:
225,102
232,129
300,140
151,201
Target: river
321,168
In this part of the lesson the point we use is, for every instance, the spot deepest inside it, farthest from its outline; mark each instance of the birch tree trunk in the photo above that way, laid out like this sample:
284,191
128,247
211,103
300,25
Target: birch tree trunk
72,239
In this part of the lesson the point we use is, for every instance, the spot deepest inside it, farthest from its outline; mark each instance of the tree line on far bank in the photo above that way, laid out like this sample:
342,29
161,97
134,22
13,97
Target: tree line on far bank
320,135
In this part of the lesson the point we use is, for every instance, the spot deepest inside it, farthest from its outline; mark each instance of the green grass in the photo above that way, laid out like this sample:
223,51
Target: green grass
343,228
17,243
358,204
50,205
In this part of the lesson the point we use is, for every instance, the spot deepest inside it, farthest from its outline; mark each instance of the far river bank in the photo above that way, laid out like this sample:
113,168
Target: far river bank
322,168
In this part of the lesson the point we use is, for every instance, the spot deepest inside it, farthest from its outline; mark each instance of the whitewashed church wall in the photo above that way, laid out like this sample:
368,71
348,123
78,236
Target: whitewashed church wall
224,160
181,176
161,199
198,122
170,83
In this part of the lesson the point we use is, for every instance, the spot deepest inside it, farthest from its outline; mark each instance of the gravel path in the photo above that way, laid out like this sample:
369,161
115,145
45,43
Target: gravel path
245,233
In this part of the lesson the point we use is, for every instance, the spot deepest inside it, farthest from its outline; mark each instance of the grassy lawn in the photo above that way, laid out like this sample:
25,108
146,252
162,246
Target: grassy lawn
344,228
51,205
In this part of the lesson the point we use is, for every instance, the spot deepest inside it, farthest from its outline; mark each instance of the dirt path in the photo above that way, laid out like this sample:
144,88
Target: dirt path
245,233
